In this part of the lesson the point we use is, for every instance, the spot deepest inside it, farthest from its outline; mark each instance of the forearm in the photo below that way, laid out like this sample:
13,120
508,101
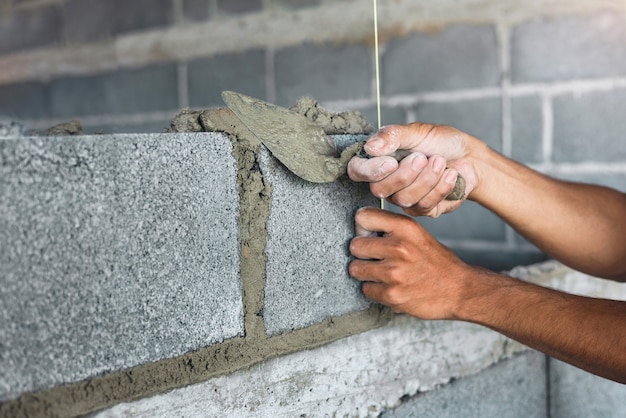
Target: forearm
583,226
588,333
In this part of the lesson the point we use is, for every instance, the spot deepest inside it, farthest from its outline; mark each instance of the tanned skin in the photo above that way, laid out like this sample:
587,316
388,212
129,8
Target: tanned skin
403,266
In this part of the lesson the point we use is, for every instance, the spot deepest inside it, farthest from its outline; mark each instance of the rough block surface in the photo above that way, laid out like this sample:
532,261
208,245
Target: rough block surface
576,394
431,62
510,389
569,48
116,251
309,229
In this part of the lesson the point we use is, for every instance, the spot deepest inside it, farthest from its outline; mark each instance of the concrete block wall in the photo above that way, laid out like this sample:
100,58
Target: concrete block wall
181,322
541,83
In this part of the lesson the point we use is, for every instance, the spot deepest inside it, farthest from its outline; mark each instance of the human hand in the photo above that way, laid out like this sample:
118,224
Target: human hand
421,181
405,268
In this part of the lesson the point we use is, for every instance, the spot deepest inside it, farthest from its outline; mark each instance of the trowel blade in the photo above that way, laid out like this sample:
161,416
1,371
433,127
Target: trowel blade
302,146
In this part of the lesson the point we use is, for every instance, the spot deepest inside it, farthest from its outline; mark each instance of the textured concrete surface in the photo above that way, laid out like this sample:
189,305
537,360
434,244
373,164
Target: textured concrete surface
513,388
359,376
306,270
116,251
578,394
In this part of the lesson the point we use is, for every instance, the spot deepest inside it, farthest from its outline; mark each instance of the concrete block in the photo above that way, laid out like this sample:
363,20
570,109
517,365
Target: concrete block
295,4
239,6
470,221
141,14
30,29
242,72
481,118
25,100
88,20
457,57
388,115
326,72
145,89
590,127
576,394
309,229
500,259
77,96
116,251
196,10
567,48
510,389
527,129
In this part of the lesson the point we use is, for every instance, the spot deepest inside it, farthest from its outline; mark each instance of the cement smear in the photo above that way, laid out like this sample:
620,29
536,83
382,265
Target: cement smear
77,399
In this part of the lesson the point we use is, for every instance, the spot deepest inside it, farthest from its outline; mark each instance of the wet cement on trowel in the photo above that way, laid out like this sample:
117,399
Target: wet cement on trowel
77,399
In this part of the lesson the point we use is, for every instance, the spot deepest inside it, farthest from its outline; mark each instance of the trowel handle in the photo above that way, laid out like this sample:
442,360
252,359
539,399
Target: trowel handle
458,193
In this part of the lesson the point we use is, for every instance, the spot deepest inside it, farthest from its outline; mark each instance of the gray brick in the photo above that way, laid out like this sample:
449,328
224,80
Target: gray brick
455,58
512,388
527,129
575,393
470,221
295,4
78,96
142,90
590,127
88,20
481,118
501,259
569,47
141,14
239,6
241,72
196,10
388,115
309,229
28,100
29,29
122,250
325,72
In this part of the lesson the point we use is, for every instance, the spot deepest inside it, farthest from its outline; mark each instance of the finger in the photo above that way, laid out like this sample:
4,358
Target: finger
374,291
367,270
429,187
387,140
408,170
381,221
372,169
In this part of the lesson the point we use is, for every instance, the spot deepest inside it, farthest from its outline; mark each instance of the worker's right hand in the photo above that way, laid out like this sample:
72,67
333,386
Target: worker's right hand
420,182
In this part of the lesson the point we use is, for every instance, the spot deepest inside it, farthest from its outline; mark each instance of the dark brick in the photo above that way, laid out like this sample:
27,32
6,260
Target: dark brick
142,90
142,14
569,48
88,20
239,6
481,118
29,100
296,4
470,221
456,58
79,96
590,127
325,72
196,10
241,72
527,129
500,260
121,128
30,29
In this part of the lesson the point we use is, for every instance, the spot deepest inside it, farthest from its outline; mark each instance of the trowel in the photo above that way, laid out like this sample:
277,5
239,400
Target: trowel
300,144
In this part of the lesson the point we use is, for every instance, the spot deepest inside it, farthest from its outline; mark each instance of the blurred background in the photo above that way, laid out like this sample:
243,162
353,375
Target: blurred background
541,81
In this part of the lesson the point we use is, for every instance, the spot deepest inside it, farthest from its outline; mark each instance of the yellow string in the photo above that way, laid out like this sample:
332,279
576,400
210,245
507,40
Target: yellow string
377,65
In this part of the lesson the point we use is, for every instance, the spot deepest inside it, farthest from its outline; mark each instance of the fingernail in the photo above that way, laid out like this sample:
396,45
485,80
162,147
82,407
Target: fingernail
419,161
375,144
450,177
387,166
439,164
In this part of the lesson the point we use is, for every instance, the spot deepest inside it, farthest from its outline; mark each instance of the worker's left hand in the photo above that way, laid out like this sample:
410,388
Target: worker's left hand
405,267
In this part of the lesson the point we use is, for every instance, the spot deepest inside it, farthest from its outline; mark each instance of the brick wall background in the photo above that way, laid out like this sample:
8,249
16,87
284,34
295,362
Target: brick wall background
544,83
541,81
